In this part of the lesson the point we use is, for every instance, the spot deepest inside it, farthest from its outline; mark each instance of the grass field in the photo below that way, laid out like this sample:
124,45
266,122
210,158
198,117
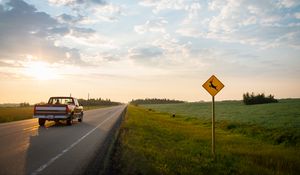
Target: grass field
152,142
9,114
276,122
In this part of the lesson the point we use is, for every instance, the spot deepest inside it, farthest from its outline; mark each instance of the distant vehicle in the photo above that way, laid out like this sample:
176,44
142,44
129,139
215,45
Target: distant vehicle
59,108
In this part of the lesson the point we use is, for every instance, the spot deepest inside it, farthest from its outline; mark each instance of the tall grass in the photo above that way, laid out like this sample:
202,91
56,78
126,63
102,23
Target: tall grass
8,114
155,143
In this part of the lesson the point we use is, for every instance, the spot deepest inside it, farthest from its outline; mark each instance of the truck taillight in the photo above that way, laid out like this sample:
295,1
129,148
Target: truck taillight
67,109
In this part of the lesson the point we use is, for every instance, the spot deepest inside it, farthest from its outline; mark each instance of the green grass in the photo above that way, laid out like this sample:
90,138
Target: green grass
151,142
9,114
277,122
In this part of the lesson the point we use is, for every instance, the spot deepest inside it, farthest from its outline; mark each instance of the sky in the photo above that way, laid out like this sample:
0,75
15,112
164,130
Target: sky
129,49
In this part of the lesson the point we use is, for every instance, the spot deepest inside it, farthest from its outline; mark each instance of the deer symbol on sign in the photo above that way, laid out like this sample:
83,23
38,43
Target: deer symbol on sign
212,85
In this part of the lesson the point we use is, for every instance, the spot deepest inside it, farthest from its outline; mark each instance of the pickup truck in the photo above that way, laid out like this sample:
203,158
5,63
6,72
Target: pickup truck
59,108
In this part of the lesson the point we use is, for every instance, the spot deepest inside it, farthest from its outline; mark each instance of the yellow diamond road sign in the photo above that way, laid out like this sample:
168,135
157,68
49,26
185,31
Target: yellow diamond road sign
213,85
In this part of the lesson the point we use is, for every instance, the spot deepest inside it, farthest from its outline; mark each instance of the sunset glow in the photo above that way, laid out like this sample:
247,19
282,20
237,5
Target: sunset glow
40,71
128,49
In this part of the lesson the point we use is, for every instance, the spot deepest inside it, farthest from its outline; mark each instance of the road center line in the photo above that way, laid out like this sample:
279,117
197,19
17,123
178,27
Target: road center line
41,168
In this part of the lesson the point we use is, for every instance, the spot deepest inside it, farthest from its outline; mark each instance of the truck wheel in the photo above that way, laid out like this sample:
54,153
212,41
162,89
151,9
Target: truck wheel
80,118
56,121
42,122
69,120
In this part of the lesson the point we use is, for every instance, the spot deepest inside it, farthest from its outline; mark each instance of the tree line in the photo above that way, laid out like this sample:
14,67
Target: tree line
154,101
24,104
97,102
251,99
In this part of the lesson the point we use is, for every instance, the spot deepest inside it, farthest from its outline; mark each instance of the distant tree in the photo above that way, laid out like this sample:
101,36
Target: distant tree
258,99
97,102
24,104
154,101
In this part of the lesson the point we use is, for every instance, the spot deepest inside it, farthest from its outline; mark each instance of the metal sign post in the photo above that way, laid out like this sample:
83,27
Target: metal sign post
213,145
213,86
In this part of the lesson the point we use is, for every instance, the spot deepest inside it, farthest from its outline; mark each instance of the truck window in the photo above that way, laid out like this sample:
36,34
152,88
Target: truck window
76,102
63,101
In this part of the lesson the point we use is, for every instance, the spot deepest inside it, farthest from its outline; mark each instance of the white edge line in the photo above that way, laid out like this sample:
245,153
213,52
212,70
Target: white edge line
41,168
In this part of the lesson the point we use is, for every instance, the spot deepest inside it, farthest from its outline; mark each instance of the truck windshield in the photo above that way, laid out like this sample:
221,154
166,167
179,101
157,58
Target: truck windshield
63,101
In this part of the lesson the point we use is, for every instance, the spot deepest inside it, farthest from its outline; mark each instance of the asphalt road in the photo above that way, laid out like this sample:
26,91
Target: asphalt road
26,148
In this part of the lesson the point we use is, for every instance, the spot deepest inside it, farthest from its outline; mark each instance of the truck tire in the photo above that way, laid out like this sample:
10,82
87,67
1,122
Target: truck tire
81,117
69,120
56,121
42,122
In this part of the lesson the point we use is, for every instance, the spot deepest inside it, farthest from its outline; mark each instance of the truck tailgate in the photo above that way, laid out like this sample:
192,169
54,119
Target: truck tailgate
50,111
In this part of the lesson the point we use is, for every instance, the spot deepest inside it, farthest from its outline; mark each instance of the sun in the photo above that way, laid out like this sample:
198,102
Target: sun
40,71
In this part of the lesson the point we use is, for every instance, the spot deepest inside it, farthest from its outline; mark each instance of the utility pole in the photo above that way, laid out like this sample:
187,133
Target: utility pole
88,101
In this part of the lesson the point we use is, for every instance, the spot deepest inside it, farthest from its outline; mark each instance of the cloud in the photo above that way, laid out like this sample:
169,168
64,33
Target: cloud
149,57
90,11
166,53
145,53
4,64
77,2
247,22
69,19
297,15
82,32
172,47
90,40
8,76
216,4
190,32
288,3
291,39
160,5
26,31
156,26
87,19
108,12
